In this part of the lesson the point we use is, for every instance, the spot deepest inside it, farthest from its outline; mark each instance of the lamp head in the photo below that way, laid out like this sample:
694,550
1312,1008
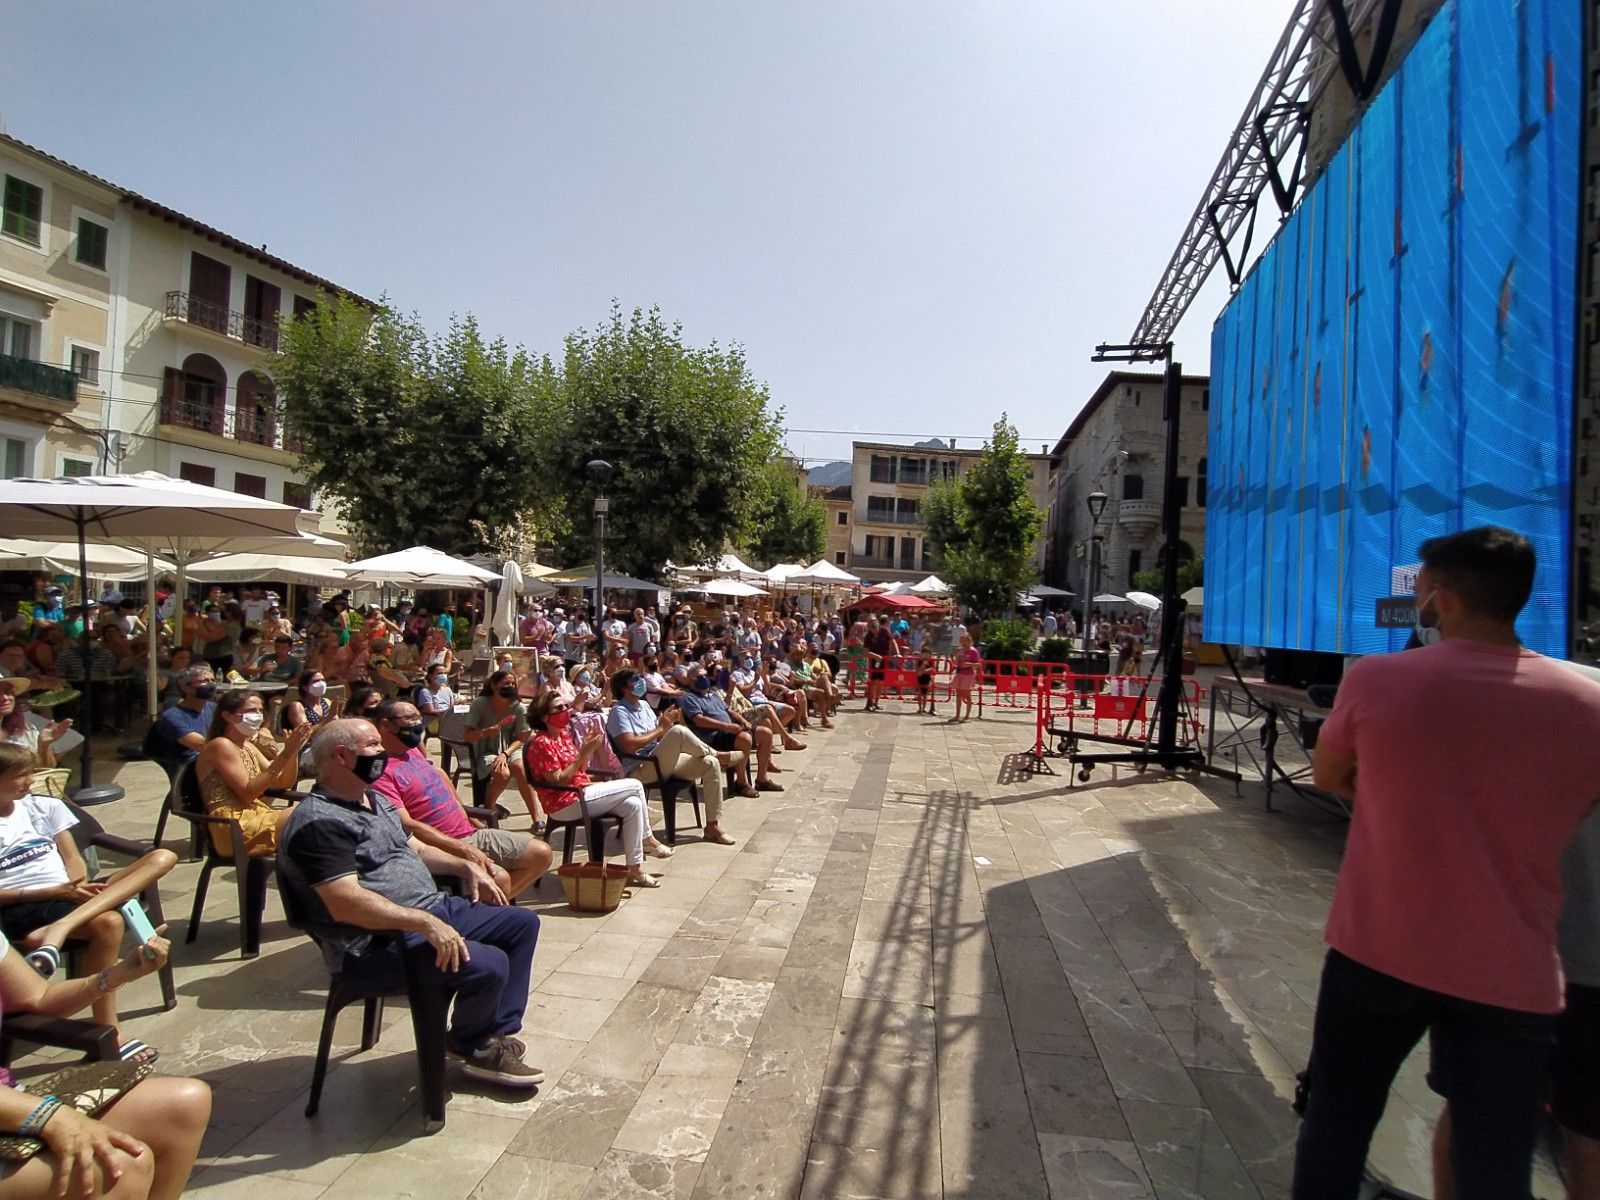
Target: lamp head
600,472
1097,502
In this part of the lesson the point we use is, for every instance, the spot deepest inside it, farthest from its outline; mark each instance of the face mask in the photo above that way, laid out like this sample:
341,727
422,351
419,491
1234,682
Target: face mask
747,663
251,720
639,687
204,691
438,681
506,693
703,684
315,690
1427,628
369,767
560,720
410,735
583,680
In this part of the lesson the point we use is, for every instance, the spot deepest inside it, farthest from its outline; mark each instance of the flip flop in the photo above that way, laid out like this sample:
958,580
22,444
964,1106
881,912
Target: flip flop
46,960
138,1052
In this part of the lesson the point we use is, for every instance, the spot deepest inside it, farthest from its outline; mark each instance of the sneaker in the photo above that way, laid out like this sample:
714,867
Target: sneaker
496,1062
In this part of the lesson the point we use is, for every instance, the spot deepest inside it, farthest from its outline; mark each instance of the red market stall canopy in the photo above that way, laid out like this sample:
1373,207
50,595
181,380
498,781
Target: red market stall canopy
907,603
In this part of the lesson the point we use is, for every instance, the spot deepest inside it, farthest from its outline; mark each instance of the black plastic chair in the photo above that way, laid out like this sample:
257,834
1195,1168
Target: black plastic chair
89,835
668,789
430,1009
97,1043
594,827
251,873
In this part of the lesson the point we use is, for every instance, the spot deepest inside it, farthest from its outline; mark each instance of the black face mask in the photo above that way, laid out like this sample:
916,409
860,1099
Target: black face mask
507,693
369,767
410,735
702,684
204,691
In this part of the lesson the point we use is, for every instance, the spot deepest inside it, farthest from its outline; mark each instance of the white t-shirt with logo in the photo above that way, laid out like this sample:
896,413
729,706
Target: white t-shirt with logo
28,854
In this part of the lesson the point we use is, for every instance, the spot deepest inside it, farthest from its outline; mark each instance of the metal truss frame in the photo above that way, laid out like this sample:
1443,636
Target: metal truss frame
1268,147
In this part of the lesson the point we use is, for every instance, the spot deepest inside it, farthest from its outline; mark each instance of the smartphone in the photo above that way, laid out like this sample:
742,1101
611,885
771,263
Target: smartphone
137,920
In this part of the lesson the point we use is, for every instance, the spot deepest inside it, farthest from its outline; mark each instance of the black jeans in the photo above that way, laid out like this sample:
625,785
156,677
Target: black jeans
1492,1065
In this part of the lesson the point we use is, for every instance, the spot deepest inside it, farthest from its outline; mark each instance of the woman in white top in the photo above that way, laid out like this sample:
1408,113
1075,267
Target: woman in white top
436,651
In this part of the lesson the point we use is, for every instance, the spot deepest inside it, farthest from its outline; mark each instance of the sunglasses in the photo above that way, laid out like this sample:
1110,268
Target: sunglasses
560,708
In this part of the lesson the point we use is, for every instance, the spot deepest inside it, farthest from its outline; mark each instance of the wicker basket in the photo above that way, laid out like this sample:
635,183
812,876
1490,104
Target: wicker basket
593,887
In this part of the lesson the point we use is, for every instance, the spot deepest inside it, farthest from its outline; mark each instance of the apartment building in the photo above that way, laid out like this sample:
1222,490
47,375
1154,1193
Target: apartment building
1117,445
888,485
836,500
135,336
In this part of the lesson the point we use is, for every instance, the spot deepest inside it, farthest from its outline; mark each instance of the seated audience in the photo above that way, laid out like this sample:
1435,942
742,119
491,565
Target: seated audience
141,1142
178,733
708,714
19,727
555,764
362,701
434,698
349,866
237,766
497,725
663,744
43,879
432,813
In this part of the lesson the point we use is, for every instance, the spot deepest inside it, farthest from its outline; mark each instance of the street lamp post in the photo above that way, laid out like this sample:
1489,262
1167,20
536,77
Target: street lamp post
600,475
1097,502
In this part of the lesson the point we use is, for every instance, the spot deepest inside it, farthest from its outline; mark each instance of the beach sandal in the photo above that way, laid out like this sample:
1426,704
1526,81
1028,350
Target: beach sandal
46,960
138,1052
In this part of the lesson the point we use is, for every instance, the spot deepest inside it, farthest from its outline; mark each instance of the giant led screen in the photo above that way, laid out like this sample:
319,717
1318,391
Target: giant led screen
1398,363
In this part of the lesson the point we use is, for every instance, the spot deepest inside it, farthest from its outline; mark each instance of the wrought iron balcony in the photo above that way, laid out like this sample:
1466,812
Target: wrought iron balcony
181,306
256,425
880,517
188,412
41,379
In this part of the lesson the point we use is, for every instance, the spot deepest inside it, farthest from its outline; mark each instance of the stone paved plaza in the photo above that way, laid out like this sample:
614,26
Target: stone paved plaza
923,972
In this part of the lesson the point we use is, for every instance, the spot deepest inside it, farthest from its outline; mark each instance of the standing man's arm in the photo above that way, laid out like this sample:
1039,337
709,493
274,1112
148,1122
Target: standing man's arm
1334,773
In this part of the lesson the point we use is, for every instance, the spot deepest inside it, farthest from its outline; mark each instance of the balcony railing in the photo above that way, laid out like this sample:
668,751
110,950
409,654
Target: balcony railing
39,378
181,306
193,413
885,561
257,426
892,518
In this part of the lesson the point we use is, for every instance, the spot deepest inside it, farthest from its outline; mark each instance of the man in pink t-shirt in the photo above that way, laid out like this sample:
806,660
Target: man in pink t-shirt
1471,763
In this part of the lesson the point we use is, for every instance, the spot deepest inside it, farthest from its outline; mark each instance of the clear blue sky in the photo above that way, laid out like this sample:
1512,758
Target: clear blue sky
912,216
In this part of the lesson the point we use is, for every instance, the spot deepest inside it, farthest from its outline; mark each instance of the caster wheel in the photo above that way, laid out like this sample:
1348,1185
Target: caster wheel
1083,775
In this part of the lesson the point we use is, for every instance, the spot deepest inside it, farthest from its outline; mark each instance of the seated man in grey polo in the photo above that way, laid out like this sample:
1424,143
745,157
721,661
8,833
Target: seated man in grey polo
281,666
431,812
346,870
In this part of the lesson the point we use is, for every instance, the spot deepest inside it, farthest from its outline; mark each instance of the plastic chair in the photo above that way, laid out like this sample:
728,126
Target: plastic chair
670,790
90,835
429,1004
251,873
594,826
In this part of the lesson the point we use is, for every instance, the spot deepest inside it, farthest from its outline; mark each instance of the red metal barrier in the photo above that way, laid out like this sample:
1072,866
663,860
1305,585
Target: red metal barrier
1120,703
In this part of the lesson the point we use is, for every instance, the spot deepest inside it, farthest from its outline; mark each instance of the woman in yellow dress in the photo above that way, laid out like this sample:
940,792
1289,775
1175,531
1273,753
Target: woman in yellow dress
239,763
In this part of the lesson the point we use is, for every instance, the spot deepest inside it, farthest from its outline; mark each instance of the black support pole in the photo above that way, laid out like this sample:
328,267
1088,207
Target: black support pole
1171,615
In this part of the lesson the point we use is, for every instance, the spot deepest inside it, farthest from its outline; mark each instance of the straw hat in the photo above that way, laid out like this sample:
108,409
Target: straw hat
16,683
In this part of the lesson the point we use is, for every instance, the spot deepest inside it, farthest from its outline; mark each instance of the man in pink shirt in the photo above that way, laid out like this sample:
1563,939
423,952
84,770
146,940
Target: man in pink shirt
1471,763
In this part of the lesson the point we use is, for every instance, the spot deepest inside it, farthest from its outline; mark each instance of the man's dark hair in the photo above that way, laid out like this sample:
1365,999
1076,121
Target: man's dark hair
389,710
622,681
1490,568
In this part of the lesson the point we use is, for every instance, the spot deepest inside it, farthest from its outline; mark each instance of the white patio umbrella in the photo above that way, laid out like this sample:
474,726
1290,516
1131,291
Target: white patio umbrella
291,568
61,558
1044,591
824,573
613,583
1144,600
147,510
1195,597
931,586
423,566
505,604
1109,598
727,587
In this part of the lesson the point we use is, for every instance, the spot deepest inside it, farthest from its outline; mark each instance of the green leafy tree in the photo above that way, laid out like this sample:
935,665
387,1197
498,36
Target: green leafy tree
688,430
983,529
1190,574
417,439
786,523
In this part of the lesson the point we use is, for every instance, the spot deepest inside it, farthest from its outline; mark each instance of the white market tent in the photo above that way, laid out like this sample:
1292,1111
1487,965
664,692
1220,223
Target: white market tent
422,566
729,566
931,586
727,587
823,573
1044,591
1195,597
782,573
